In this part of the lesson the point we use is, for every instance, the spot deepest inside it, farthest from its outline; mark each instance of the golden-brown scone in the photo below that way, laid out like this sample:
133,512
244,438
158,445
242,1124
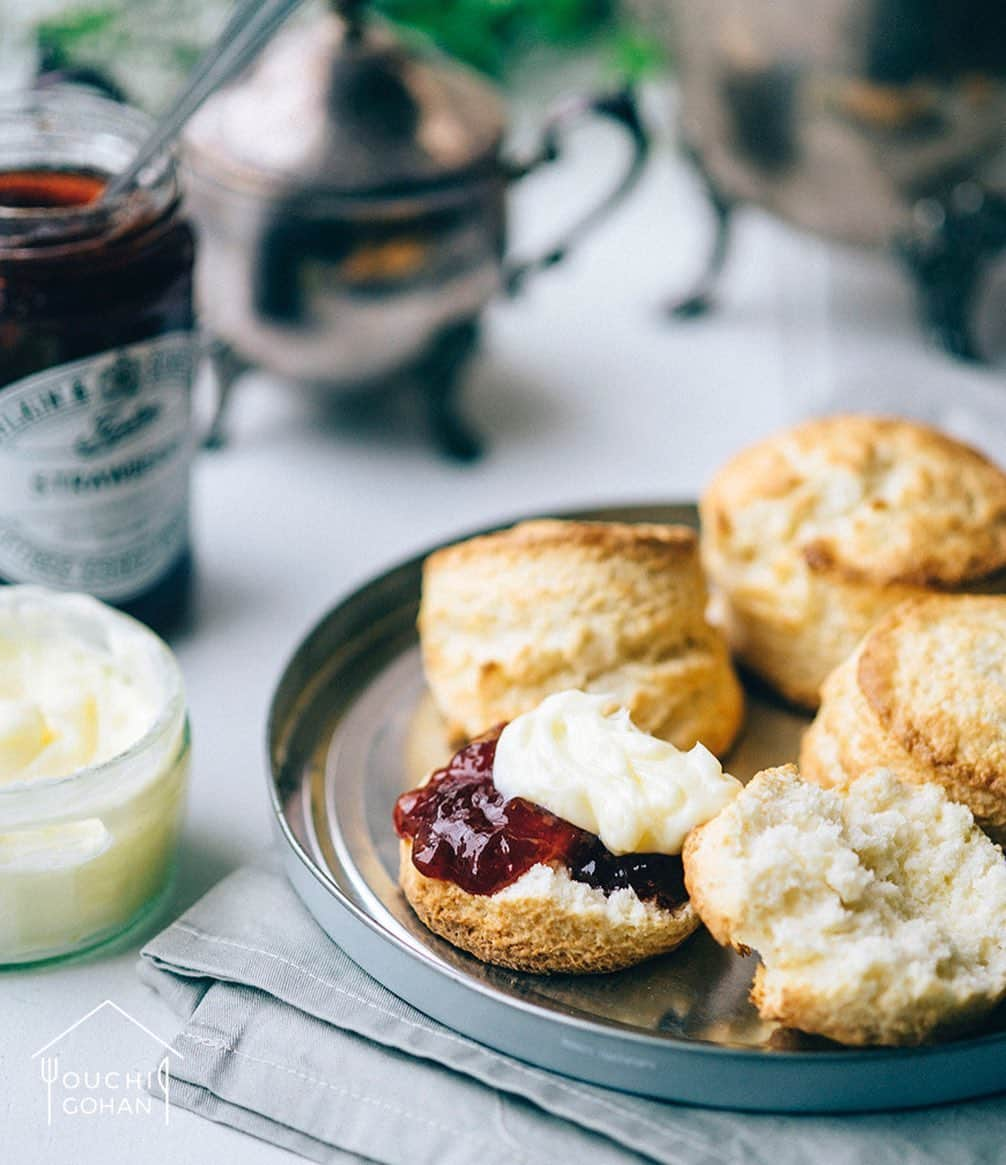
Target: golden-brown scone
811,536
546,922
924,694
878,910
510,618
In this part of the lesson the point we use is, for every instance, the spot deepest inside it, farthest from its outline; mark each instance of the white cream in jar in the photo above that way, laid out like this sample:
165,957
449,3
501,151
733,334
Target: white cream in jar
93,768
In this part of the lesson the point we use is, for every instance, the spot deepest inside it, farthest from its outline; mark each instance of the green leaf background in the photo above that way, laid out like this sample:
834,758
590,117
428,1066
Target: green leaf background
157,41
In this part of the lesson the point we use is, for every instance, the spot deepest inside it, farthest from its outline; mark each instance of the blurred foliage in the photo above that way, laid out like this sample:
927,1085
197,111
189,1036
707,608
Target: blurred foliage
492,35
61,35
637,53
143,46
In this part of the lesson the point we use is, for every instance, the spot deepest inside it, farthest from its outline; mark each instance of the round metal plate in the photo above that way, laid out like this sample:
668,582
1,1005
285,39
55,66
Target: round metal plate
352,726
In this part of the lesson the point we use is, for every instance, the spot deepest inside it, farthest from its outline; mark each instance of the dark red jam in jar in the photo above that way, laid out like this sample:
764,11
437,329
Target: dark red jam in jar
97,355
463,831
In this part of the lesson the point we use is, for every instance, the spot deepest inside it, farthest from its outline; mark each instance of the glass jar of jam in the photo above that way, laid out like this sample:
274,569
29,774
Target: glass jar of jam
97,354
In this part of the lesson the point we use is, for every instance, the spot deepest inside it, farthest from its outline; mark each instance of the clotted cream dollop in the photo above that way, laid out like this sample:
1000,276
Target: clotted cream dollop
581,757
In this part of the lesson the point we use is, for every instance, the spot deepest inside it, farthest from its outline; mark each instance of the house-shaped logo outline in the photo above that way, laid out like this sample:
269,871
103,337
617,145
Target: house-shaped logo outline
93,1012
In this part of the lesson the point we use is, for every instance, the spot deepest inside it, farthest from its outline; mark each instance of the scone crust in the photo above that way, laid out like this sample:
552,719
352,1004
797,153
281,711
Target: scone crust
813,535
642,541
897,987
509,618
872,499
535,934
809,1012
794,646
925,695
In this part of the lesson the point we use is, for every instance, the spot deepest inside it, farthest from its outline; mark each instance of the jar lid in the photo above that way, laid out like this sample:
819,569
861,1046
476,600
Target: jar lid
70,133
344,105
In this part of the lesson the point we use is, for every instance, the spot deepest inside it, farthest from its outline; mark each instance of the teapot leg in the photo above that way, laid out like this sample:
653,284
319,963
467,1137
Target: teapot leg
946,257
946,299
227,367
701,298
440,375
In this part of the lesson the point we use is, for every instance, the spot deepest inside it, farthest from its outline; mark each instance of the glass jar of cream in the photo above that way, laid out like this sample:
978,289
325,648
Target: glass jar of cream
94,751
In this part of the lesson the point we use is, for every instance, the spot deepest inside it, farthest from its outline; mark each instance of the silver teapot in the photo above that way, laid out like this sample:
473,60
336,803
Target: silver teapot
875,122
350,198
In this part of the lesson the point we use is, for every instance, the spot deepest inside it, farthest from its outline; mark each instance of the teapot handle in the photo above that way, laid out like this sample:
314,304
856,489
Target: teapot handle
619,107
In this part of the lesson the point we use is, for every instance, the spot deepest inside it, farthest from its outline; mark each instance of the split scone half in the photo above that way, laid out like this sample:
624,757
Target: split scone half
509,618
878,910
811,536
923,694
553,845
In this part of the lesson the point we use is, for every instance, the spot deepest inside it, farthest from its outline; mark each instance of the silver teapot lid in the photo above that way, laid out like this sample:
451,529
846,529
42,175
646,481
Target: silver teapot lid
341,103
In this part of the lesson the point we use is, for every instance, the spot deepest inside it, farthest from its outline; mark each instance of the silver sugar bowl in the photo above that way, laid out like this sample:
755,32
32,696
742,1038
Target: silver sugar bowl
350,197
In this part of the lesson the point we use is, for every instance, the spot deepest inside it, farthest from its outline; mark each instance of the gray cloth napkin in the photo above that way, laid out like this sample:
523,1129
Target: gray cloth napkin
287,1039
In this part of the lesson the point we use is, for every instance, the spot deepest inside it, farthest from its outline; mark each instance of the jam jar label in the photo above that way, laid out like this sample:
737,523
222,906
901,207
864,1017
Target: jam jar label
94,469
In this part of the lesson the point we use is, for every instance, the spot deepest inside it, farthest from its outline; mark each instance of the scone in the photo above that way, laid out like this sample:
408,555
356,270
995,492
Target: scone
571,863
924,694
812,535
509,618
879,911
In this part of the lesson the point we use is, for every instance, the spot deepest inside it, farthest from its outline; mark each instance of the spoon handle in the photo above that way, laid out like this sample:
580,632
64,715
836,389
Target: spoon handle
250,25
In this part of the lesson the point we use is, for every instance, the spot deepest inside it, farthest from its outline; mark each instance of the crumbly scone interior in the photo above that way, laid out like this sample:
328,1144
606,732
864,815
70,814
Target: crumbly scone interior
881,905
552,881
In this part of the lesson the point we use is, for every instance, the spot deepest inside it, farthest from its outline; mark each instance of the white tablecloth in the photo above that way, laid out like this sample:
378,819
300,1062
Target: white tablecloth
585,394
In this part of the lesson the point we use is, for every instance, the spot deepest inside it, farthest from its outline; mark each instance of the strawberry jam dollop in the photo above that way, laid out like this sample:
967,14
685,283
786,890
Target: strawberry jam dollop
463,831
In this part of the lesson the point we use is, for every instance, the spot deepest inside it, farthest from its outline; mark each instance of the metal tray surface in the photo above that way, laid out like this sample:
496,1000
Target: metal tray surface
352,726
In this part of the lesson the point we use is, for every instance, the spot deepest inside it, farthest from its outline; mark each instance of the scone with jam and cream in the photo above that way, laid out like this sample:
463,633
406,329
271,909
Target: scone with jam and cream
554,844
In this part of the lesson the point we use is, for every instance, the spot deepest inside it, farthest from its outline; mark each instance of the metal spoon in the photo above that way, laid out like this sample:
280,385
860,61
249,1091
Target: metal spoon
250,25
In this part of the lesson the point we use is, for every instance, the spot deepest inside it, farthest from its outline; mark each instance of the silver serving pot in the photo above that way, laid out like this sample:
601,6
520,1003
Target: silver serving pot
875,122
349,194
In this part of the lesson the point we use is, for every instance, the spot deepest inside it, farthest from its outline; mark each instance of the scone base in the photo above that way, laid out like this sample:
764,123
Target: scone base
804,1012
535,934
